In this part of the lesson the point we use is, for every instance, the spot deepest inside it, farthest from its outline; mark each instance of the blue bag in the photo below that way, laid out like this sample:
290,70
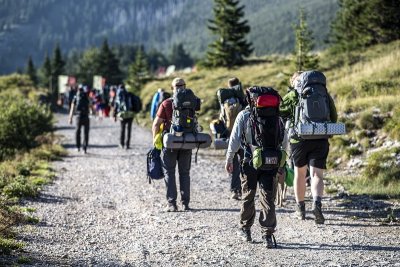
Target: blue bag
154,165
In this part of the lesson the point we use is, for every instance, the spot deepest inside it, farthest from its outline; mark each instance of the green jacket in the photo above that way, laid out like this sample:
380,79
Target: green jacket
289,103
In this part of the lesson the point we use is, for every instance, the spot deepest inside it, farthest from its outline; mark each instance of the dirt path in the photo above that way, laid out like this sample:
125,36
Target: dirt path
100,211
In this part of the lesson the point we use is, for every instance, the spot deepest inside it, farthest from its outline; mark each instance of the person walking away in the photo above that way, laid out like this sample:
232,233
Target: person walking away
170,157
259,130
80,106
312,153
229,111
123,110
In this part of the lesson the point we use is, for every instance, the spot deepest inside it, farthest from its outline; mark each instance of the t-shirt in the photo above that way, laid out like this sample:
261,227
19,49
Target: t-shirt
165,112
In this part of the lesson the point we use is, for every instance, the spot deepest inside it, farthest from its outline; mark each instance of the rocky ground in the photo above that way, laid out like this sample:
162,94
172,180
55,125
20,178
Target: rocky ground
101,211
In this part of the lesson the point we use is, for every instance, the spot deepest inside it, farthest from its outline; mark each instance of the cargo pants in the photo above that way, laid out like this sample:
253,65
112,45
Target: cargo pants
266,182
169,159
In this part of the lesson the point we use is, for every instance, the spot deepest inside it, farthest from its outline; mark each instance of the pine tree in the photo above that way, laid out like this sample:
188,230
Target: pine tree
108,65
179,57
359,24
57,68
231,47
138,71
45,72
304,58
31,71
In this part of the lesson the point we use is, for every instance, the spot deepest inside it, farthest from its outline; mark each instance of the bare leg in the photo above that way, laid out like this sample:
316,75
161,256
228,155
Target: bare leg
300,182
317,183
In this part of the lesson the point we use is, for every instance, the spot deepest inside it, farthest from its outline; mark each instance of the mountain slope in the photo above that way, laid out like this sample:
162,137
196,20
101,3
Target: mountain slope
32,27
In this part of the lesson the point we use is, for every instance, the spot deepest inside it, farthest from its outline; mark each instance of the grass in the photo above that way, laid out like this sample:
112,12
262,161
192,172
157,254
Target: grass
20,178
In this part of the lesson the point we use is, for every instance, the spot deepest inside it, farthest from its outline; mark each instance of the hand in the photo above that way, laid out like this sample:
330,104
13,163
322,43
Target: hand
229,167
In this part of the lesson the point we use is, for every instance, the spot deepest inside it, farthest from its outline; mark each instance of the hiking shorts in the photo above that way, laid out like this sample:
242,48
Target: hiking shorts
310,152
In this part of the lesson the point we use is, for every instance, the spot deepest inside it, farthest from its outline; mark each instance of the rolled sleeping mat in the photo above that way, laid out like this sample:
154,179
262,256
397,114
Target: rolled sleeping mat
221,143
187,141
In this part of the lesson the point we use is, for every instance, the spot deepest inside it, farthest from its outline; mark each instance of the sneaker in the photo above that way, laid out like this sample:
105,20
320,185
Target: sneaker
301,211
236,195
127,147
185,207
317,211
121,146
84,149
172,208
269,241
245,234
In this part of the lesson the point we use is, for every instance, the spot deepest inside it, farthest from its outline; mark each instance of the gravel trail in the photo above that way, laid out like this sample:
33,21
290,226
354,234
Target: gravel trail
101,211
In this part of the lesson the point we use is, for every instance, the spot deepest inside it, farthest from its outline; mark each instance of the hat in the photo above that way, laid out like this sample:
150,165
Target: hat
178,82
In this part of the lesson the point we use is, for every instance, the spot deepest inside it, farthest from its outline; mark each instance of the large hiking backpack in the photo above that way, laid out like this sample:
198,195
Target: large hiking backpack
267,129
231,101
124,104
82,104
312,114
185,104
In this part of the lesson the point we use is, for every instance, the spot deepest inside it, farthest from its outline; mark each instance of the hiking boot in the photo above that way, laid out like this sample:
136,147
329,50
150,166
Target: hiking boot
185,207
172,207
245,234
317,211
269,241
301,211
236,195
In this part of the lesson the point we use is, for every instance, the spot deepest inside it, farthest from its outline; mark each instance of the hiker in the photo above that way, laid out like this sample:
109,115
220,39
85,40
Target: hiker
258,129
230,108
80,106
123,110
308,152
170,157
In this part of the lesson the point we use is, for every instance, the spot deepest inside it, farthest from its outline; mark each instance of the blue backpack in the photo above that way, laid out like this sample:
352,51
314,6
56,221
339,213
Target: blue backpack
154,165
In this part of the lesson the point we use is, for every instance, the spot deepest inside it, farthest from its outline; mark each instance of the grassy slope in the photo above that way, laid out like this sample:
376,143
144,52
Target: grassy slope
371,82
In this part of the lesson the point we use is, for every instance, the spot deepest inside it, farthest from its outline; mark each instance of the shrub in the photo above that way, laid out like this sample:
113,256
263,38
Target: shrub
384,166
392,126
21,122
370,121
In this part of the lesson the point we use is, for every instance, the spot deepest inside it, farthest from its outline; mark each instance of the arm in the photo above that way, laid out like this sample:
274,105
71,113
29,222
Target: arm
234,141
156,125
71,112
332,109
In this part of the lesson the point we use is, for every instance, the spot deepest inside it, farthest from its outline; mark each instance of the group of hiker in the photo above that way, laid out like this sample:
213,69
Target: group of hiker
252,126
122,104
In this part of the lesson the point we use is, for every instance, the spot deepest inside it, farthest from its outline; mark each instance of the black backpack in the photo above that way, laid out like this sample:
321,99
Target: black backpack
82,104
266,126
136,103
185,104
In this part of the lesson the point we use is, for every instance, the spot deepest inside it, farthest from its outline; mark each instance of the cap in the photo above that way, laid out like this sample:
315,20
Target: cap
178,82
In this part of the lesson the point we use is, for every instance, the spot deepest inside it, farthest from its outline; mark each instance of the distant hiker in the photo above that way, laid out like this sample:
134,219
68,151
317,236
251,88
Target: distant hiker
231,105
158,98
124,111
170,157
309,89
81,107
259,130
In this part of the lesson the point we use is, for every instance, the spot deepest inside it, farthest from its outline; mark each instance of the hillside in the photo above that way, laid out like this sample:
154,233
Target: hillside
32,27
